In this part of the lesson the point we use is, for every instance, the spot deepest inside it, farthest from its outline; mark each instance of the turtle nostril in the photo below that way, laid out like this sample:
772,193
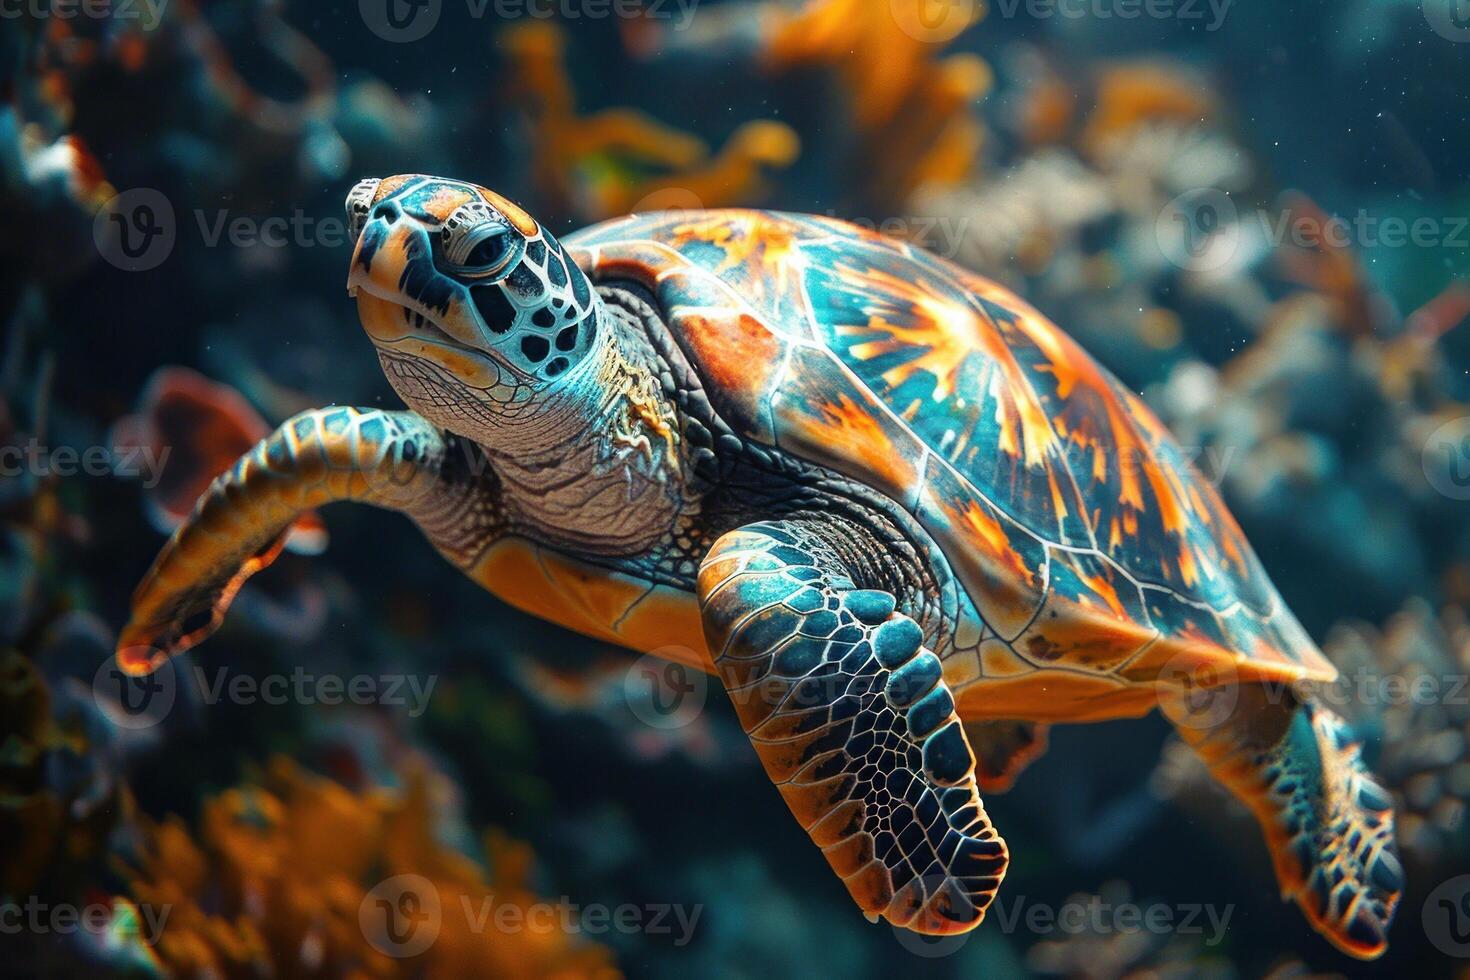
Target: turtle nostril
359,202
388,211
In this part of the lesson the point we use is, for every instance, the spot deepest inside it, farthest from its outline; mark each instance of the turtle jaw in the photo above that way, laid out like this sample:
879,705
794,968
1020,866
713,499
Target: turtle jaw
401,333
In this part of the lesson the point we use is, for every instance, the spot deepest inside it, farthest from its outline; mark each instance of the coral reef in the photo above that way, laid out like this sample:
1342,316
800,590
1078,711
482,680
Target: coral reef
1405,684
281,879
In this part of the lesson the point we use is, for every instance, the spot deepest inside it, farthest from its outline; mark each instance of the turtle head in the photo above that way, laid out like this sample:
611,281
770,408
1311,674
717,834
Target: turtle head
466,297
487,328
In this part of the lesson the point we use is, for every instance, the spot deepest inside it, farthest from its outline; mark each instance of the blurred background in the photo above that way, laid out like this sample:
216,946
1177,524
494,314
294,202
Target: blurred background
1254,213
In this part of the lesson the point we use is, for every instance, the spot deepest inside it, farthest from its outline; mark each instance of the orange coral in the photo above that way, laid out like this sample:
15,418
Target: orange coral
285,877
883,51
1131,94
49,825
1316,257
1047,112
741,164
1423,753
193,429
595,166
1408,360
911,111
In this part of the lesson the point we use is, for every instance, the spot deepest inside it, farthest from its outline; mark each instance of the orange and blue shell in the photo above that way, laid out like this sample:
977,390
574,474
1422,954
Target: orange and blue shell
1080,534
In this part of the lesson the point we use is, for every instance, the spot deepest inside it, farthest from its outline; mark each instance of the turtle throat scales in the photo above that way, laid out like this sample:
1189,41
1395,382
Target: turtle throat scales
594,459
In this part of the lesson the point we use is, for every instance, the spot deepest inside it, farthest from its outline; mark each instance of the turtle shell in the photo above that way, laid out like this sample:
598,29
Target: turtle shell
1082,535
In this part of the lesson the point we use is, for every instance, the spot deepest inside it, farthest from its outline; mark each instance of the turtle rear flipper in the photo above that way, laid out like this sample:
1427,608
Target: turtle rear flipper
855,725
238,527
1329,826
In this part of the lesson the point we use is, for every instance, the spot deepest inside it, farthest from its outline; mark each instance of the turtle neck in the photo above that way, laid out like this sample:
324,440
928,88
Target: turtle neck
594,459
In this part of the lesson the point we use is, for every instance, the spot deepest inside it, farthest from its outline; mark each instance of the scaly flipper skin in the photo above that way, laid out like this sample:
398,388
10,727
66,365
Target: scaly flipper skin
391,459
854,724
1329,826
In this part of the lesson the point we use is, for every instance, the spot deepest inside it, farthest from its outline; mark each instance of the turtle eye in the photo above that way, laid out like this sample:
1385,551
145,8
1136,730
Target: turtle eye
489,252
478,242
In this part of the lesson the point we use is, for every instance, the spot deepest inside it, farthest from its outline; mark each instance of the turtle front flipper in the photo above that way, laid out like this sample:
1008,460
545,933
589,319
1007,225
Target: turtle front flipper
391,459
1329,826
855,725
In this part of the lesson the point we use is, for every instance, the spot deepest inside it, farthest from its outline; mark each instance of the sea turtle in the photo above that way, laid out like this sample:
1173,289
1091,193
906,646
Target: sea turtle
905,520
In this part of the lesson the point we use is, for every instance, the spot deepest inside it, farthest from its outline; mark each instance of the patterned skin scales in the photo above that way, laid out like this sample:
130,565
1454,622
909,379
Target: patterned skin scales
904,519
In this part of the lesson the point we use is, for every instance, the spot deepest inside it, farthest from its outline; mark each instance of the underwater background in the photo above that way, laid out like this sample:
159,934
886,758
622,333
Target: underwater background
1257,214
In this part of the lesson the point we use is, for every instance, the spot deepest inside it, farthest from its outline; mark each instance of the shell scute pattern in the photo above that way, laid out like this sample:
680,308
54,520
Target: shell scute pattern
1080,530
